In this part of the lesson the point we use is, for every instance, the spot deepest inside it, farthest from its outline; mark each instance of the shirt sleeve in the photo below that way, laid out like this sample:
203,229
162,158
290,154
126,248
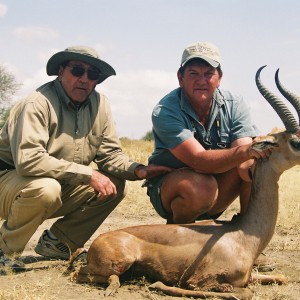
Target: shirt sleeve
169,126
110,156
242,123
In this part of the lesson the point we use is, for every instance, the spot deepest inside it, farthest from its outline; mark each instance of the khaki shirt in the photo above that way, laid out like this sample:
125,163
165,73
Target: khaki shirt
47,135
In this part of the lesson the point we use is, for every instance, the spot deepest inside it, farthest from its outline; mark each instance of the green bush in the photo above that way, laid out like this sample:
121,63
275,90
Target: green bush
148,136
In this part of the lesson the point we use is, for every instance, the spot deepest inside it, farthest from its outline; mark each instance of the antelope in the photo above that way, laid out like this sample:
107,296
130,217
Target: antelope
211,258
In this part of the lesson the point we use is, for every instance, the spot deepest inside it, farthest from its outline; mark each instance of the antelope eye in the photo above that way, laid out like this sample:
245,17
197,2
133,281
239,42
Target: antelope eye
295,143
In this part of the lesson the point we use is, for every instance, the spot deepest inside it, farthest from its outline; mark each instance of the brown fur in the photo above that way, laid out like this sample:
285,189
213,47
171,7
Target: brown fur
205,257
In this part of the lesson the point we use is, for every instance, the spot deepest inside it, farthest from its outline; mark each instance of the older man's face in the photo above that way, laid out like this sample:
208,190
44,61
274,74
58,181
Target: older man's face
78,87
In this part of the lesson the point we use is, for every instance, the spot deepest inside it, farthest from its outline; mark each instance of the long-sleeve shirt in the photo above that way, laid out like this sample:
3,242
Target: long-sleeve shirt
47,135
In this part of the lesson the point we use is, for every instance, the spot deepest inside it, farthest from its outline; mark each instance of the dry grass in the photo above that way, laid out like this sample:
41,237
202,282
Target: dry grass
289,190
137,201
137,150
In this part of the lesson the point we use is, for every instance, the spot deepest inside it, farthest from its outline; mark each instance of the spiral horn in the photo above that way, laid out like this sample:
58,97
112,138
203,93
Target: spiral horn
291,97
281,109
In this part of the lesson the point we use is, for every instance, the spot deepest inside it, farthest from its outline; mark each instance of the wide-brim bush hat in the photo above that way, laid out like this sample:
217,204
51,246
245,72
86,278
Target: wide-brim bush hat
81,53
206,51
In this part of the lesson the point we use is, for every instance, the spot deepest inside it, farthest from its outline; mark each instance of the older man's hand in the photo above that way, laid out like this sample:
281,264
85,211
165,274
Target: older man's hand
102,185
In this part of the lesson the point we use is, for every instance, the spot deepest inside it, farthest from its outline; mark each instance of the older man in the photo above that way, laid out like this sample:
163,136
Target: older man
49,147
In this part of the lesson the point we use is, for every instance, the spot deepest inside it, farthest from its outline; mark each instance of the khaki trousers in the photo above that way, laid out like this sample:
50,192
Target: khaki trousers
25,202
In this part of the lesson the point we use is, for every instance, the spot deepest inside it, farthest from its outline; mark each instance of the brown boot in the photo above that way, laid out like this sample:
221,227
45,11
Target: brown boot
264,263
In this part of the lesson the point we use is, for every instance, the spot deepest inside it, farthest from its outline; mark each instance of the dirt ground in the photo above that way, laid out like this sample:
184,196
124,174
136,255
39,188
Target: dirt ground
45,279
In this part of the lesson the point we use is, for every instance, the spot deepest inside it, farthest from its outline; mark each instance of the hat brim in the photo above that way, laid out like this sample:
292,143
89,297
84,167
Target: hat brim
212,62
59,58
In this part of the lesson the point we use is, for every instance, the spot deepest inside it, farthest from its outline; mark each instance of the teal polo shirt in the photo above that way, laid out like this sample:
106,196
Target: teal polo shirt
175,121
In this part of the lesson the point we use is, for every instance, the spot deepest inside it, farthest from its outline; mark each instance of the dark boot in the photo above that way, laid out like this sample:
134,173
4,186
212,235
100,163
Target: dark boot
7,263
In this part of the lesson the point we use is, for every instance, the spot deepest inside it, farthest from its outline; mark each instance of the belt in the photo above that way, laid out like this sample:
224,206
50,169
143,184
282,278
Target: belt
5,166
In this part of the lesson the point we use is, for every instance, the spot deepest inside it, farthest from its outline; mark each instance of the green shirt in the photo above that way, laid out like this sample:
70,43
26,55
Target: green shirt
175,121
47,135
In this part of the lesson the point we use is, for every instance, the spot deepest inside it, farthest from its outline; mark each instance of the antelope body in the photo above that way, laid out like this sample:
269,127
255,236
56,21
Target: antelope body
207,258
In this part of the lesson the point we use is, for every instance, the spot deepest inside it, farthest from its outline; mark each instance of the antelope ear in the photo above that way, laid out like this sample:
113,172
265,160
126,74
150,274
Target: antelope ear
265,142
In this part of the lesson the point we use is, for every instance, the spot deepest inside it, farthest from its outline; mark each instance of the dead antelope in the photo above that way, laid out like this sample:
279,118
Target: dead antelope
208,258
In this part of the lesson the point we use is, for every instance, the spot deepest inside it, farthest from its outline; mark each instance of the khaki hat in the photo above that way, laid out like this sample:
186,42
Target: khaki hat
206,51
82,53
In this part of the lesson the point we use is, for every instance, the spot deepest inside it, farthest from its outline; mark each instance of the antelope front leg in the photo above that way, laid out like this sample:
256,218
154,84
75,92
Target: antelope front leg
73,257
268,279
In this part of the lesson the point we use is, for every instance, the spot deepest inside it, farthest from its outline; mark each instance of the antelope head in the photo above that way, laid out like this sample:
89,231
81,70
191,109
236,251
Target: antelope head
287,153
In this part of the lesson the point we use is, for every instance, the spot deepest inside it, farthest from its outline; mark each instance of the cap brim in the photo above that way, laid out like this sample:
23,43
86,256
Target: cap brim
212,62
59,58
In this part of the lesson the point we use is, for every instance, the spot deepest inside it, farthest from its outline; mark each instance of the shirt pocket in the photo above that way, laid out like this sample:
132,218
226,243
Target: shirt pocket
92,145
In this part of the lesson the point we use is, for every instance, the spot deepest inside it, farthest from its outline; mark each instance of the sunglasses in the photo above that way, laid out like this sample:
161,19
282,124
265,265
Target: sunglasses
79,71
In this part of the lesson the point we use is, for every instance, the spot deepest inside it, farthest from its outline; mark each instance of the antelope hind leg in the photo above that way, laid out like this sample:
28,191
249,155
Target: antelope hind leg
114,284
238,293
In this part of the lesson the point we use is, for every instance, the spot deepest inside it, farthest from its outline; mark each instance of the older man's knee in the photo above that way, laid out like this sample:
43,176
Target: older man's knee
48,192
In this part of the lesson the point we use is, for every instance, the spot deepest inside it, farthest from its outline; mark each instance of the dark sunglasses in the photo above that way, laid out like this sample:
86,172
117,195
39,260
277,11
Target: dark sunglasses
79,71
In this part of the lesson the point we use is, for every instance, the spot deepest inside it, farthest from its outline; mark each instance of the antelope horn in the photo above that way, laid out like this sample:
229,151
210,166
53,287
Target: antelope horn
281,109
291,97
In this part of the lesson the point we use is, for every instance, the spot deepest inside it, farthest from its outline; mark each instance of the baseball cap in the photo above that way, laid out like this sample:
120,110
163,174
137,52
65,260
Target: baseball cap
206,51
